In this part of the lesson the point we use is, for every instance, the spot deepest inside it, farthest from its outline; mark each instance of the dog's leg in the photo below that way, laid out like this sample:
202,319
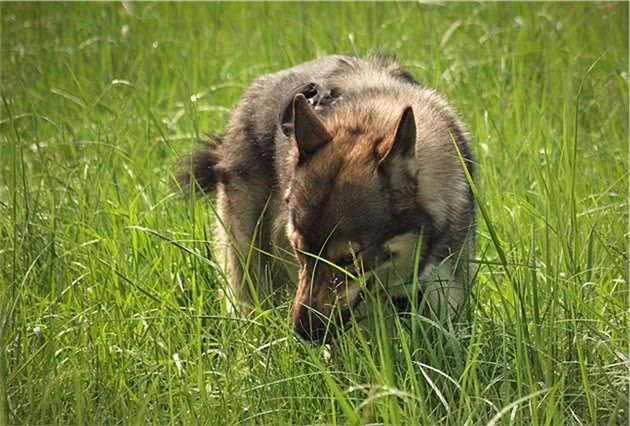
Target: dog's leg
446,285
243,236
443,291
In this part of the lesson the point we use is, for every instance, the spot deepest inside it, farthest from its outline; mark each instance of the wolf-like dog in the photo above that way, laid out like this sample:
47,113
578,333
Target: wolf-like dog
353,168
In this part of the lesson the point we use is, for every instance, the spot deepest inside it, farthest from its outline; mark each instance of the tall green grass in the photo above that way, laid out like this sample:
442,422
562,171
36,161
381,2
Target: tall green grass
109,289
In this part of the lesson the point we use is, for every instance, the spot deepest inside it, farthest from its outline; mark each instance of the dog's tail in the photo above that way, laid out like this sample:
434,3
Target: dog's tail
199,171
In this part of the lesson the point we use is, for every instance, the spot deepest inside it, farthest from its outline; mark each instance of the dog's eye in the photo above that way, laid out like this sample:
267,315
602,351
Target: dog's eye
387,254
345,260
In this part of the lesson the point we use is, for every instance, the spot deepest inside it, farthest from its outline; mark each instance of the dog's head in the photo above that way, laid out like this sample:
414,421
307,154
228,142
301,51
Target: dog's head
352,208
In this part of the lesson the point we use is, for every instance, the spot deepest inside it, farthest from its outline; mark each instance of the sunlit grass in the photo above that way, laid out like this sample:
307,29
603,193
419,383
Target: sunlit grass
110,307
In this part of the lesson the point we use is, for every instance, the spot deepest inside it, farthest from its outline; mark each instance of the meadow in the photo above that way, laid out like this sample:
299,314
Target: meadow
109,287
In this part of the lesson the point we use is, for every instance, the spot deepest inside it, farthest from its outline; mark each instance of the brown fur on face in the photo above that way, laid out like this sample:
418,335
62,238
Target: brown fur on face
358,185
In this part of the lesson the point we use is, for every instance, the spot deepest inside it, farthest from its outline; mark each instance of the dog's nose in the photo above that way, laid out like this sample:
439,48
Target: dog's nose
309,326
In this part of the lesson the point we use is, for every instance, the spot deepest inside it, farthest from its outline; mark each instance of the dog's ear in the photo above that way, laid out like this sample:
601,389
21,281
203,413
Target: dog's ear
311,91
402,143
310,133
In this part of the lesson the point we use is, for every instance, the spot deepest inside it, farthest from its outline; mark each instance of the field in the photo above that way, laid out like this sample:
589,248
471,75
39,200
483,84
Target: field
109,288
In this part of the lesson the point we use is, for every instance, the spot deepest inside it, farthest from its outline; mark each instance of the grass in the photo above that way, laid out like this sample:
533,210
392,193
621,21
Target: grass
108,287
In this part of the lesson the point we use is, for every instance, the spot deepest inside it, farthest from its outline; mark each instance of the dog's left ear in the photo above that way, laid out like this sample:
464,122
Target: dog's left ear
310,132
402,143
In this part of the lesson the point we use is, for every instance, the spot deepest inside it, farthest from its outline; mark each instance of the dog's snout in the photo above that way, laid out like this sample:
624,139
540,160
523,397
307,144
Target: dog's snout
308,325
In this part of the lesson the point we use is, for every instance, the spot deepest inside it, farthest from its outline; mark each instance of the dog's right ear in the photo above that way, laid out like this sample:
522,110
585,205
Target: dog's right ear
310,133
200,171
